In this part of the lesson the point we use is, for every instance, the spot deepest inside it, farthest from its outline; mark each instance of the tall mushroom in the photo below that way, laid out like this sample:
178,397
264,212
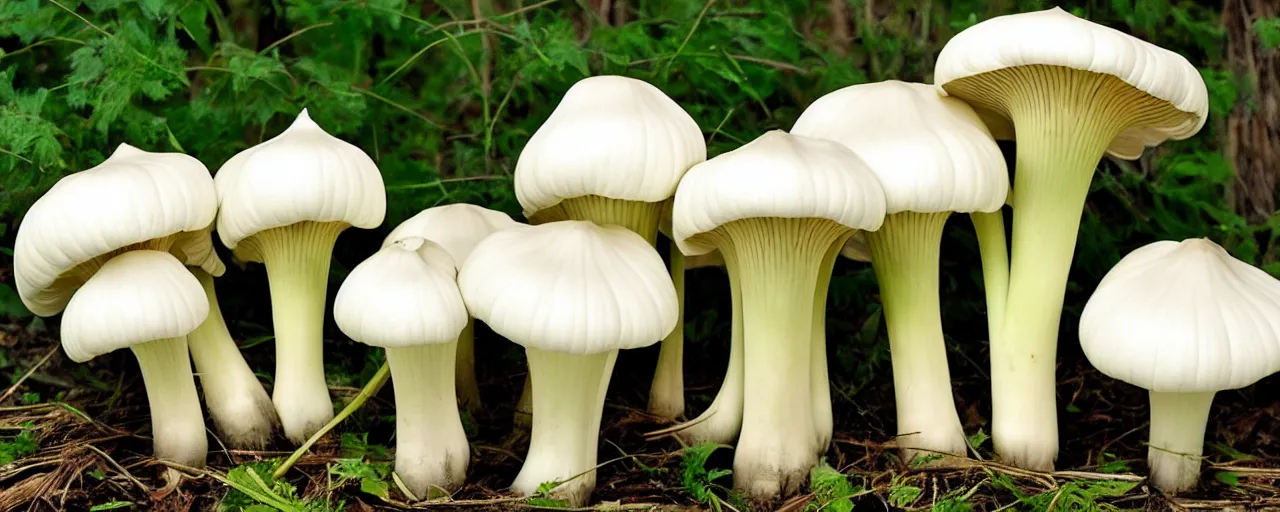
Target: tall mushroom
1183,320
612,152
778,209
934,156
283,203
572,293
457,228
405,299
1073,90
146,301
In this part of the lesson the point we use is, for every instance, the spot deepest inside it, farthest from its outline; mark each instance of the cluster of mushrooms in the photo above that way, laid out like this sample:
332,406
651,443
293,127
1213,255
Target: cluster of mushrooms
871,172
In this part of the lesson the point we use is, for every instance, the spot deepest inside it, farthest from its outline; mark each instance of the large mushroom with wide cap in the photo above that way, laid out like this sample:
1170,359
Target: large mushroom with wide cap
1183,320
612,152
457,228
573,293
778,209
405,299
148,302
1073,91
283,203
934,156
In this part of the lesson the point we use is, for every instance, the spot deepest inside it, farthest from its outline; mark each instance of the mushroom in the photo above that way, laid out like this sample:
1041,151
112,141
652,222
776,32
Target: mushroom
237,402
457,228
1072,90
613,152
405,299
778,209
934,156
283,203
573,293
1183,320
146,301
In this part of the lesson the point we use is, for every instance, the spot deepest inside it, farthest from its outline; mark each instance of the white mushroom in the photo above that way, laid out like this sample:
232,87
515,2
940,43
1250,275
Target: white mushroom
934,156
146,301
778,209
283,203
572,293
457,228
404,298
1183,320
1072,90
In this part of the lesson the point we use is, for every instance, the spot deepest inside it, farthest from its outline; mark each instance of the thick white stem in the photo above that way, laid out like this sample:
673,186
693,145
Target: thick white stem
568,400
297,259
905,254
666,395
523,417
237,402
1178,422
465,369
432,453
177,423
779,263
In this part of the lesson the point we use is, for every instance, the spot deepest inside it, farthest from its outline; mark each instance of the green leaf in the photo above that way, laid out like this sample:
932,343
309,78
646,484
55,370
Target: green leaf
111,506
195,23
11,304
1227,477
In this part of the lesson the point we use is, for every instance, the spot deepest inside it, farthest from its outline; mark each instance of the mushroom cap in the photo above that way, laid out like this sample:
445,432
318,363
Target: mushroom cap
136,297
777,175
1055,37
131,197
610,136
1181,317
932,153
403,296
455,227
570,286
303,174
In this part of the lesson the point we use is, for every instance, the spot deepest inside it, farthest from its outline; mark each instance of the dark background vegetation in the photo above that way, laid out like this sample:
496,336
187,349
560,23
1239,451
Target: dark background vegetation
445,94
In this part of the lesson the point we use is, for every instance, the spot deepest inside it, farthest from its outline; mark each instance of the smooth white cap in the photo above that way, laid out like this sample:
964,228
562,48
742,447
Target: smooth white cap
303,174
777,175
455,227
404,295
610,136
1055,37
931,153
131,197
1182,317
136,297
570,286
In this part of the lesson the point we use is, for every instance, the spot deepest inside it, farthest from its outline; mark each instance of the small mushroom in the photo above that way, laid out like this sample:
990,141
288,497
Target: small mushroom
1183,320
148,302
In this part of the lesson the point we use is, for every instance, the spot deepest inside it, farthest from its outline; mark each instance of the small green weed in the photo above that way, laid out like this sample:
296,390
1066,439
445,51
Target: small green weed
16,447
699,481
253,490
831,490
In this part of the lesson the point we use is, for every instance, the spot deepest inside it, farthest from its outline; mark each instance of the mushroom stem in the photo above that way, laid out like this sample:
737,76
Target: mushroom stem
905,255
638,216
779,263
1065,119
432,453
177,423
297,259
568,401
722,420
1178,422
666,394
823,419
465,369
994,251
237,402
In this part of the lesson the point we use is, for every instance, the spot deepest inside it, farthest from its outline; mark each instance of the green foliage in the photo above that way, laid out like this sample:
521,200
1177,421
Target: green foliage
111,505
1078,495
24,444
372,476
10,304
698,480
253,490
831,490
